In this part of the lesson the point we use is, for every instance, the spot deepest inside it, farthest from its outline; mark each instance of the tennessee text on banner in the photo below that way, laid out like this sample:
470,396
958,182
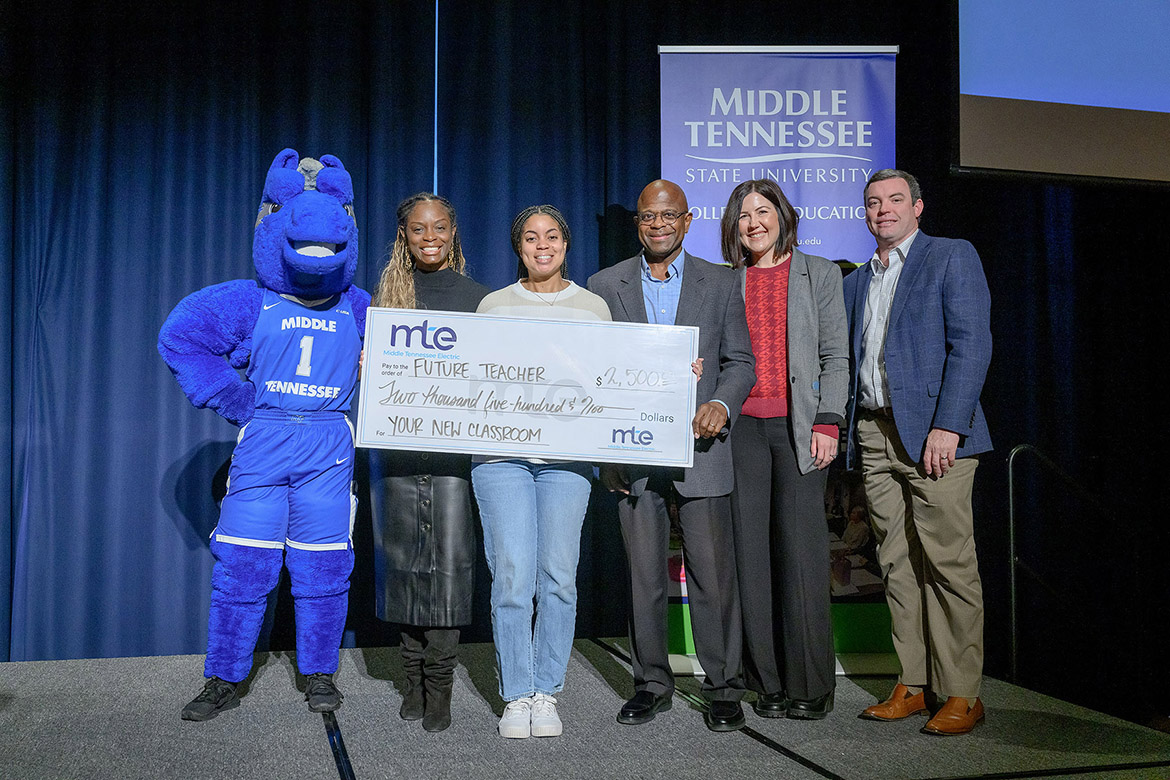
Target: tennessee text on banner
817,120
514,387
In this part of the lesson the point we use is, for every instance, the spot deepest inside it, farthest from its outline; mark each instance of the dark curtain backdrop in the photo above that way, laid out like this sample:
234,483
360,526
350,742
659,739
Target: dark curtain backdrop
8,275
134,140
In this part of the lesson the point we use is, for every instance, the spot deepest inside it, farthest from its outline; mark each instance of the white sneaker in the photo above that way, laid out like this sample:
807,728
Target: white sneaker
545,721
516,722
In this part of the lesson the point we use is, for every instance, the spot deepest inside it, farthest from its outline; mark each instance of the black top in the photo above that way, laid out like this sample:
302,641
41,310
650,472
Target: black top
445,290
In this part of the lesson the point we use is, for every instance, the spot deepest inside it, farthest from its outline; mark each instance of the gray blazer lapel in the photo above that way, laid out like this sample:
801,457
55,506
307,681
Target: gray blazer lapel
629,291
693,291
800,300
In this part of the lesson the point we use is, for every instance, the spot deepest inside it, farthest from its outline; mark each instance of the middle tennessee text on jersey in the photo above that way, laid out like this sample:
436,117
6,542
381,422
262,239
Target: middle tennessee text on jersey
305,357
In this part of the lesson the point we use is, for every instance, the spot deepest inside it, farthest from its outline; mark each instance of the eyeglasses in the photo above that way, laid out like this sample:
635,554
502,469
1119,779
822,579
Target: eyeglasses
667,217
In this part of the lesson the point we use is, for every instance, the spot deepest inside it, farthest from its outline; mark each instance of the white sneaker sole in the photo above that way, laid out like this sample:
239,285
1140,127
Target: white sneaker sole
547,730
515,731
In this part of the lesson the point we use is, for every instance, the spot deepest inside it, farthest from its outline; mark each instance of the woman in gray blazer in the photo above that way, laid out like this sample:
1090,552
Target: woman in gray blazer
784,440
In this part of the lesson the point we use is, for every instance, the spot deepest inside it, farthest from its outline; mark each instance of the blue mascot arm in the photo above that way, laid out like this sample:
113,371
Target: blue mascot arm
359,300
205,328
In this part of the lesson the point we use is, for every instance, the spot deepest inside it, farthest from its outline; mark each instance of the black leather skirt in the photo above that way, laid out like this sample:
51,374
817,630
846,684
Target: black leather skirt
424,537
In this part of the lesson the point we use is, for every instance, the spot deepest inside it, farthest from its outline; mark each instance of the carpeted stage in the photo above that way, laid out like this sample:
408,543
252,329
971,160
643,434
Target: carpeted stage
119,718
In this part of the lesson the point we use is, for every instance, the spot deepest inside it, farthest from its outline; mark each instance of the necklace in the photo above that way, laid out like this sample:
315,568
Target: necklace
544,296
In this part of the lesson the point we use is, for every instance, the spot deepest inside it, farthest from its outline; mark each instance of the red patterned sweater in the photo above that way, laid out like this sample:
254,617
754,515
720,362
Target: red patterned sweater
766,298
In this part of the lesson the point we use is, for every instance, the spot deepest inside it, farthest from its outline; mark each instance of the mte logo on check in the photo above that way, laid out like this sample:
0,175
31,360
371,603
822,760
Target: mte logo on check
632,435
442,339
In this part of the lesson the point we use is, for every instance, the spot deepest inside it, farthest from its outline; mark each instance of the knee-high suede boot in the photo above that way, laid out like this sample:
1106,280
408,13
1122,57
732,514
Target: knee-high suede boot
413,638
240,583
440,656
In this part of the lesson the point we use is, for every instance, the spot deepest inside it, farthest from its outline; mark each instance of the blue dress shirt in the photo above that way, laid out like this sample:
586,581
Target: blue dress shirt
661,295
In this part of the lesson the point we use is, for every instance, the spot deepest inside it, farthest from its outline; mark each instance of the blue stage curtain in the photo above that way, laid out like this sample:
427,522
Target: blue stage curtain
529,124
143,135
7,274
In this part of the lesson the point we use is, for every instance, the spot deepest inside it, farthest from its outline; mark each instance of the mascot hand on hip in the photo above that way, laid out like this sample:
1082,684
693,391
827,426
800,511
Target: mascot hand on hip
296,331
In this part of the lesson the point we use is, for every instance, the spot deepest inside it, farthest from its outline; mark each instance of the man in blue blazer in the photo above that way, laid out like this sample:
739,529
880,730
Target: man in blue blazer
920,344
665,285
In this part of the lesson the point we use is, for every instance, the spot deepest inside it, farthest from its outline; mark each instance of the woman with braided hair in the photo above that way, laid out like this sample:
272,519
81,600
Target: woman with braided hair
424,536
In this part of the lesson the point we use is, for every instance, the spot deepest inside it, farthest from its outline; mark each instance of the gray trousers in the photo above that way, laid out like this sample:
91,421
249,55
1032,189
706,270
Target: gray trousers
712,592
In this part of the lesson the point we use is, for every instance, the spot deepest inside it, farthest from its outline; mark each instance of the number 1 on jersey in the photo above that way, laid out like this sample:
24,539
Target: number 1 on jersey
304,367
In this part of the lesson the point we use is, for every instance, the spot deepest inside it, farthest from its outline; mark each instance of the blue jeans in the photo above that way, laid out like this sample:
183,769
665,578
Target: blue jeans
532,516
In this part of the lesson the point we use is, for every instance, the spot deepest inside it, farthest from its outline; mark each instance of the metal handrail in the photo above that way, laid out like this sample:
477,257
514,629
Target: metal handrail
1015,562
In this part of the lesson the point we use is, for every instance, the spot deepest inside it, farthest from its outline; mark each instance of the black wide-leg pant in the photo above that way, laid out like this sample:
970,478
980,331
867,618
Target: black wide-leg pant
782,560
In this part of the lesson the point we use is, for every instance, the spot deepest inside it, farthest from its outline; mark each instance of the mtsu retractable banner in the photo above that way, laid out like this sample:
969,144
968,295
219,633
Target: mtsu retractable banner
817,120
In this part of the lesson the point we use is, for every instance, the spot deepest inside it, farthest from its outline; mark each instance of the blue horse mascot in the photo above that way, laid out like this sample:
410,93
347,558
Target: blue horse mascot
296,331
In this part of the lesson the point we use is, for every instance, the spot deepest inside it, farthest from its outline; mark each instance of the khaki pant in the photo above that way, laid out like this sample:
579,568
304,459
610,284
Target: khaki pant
926,547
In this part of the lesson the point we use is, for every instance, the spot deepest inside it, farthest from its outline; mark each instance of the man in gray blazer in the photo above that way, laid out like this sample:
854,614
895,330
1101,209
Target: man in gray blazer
665,285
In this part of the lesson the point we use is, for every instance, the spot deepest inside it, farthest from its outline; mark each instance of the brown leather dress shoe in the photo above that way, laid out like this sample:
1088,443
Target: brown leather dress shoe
901,704
954,718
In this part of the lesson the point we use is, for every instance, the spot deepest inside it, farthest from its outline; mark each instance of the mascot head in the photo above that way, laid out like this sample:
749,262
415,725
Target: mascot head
305,242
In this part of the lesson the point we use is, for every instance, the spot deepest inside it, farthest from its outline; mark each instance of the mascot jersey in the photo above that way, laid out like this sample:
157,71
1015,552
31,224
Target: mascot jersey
304,359
293,465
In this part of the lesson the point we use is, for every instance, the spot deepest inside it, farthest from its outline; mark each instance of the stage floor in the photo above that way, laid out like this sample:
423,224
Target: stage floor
119,718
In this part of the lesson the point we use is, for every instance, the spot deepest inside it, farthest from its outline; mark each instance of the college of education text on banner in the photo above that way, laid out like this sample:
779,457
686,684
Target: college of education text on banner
817,120
511,387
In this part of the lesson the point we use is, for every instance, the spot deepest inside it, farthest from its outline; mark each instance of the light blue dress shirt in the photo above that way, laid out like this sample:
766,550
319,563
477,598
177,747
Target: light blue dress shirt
661,295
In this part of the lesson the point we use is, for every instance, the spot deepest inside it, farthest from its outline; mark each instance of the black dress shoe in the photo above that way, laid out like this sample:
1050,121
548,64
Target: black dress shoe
724,716
815,709
771,705
643,707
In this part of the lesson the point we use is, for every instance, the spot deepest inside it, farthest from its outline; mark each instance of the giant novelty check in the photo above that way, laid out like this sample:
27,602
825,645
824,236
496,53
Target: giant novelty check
516,387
